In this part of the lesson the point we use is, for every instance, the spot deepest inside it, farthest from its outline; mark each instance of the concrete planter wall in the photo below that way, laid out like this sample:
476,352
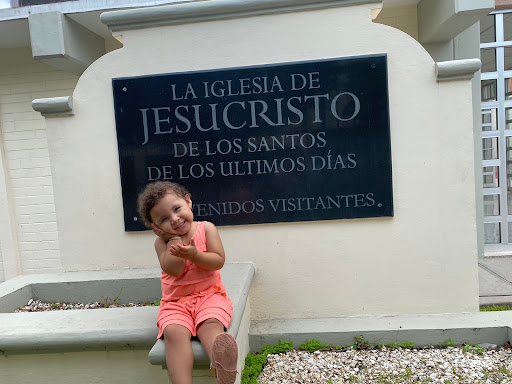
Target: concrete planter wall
98,345
134,285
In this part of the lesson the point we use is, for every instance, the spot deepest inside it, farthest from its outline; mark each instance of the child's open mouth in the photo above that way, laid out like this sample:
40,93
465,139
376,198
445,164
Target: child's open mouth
180,225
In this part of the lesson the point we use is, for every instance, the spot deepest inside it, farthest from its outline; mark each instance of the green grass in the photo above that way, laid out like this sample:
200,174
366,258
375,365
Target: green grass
489,308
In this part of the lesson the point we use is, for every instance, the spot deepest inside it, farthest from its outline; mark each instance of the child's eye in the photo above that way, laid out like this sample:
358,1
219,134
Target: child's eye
164,219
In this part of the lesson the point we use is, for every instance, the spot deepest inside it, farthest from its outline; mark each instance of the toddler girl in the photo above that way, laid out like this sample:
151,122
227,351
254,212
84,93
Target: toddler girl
194,300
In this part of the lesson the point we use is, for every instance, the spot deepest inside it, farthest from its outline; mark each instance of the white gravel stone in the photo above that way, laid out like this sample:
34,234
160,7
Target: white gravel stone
390,366
39,306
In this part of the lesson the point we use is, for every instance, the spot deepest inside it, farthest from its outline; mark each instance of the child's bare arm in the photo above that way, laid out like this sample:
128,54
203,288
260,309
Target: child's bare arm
212,259
171,265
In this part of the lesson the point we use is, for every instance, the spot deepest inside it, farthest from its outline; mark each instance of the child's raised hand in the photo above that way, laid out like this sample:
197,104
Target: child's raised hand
162,234
183,251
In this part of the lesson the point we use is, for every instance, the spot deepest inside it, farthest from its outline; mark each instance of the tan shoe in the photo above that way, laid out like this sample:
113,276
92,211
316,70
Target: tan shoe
225,357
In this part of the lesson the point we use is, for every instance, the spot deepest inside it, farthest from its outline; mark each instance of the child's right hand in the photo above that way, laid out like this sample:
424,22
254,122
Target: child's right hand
161,234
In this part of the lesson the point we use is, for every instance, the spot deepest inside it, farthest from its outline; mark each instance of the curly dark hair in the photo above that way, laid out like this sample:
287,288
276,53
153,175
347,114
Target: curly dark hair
153,193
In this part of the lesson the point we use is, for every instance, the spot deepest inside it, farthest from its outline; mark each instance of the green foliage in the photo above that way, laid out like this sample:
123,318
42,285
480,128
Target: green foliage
401,344
496,308
361,343
316,345
383,378
475,349
407,374
155,303
448,343
281,347
254,362
253,366
313,345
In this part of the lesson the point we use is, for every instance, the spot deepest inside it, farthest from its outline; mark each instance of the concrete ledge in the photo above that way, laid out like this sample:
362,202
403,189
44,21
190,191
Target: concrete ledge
210,10
55,106
106,329
473,328
237,278
79,330
457,69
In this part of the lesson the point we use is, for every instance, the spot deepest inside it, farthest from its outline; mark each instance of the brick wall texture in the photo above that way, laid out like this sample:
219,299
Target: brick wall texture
27,163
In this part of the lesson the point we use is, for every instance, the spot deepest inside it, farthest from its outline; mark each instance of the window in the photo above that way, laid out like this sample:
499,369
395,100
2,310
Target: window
496,96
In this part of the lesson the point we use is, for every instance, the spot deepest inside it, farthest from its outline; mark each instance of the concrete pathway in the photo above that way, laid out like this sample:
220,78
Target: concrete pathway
495,277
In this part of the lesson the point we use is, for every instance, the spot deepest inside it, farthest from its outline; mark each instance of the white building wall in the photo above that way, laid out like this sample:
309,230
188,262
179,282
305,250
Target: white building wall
6,233
404,18
27,164
2,276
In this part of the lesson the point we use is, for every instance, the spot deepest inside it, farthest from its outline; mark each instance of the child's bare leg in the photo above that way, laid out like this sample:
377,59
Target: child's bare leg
207,332
178,354
221,348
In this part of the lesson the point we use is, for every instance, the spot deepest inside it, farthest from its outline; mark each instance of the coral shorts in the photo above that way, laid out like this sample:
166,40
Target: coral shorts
191,311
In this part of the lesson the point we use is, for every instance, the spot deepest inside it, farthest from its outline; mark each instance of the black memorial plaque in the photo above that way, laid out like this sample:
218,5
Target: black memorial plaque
264,144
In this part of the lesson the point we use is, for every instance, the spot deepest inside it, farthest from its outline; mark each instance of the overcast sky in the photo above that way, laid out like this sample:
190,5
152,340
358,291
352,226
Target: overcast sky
5,4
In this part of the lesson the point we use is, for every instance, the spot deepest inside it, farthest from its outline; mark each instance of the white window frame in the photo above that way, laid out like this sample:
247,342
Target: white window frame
502,134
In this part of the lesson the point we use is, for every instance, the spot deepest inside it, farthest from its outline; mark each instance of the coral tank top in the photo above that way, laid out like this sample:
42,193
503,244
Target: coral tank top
194,281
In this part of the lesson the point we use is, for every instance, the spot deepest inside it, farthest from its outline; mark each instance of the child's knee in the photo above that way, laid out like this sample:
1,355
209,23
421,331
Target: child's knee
211,323
176,333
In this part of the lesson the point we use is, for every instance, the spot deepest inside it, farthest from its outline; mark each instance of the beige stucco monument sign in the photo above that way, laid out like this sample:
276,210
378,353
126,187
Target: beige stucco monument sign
421,260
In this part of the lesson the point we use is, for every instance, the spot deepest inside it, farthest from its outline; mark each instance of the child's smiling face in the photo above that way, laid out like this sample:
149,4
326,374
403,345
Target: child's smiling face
173,214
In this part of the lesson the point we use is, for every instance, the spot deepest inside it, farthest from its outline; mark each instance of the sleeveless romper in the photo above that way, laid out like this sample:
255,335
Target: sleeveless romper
194,296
